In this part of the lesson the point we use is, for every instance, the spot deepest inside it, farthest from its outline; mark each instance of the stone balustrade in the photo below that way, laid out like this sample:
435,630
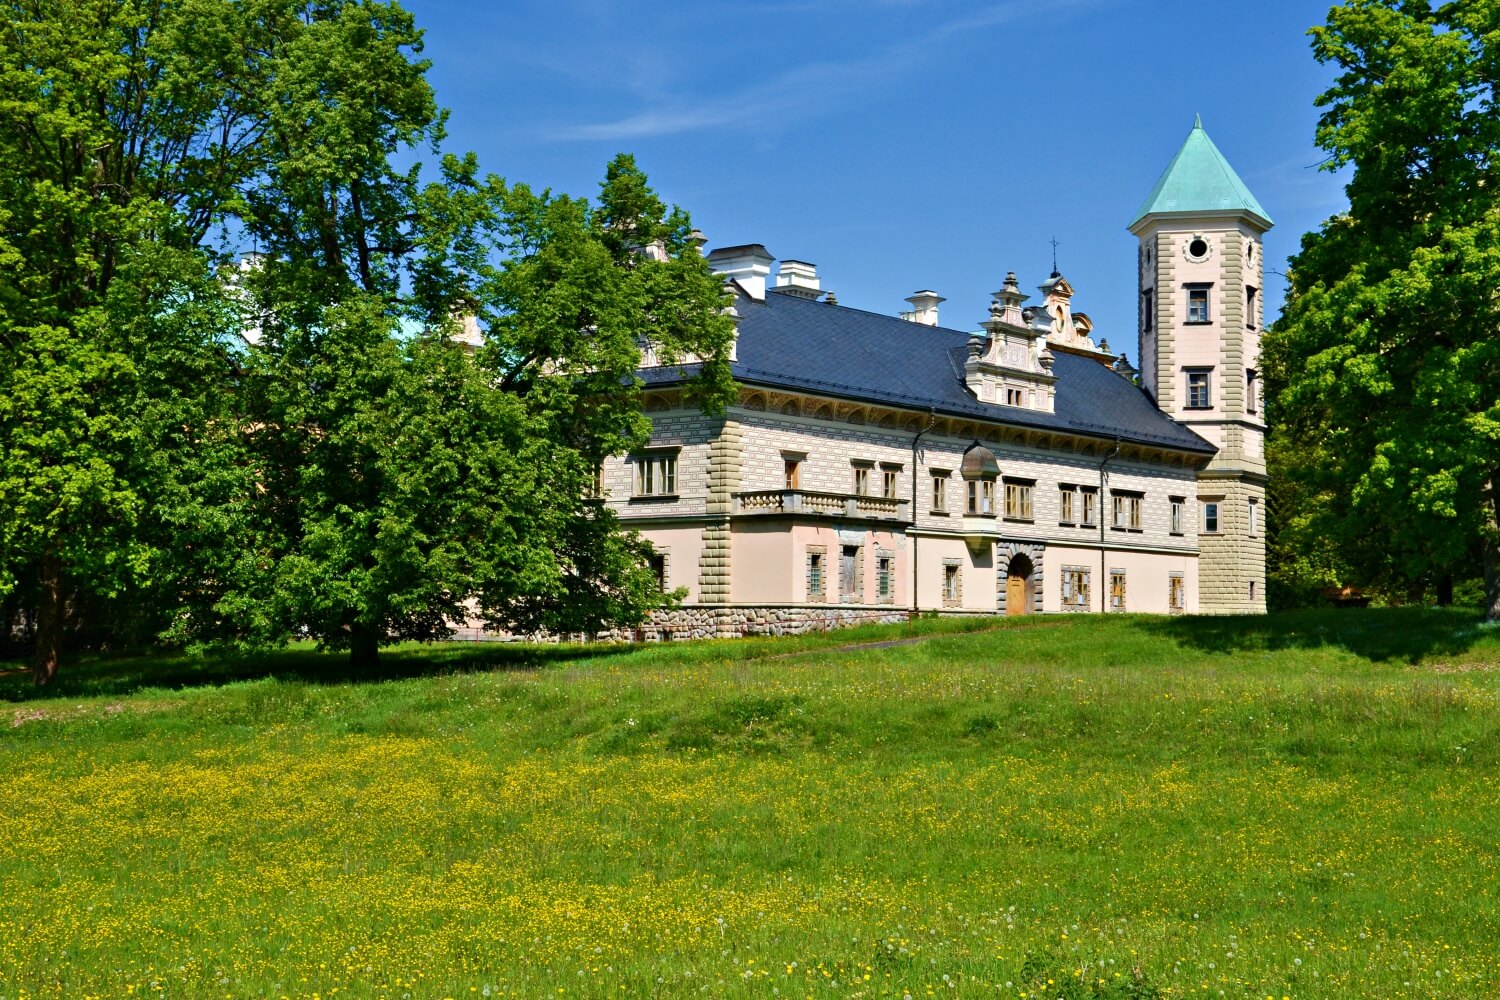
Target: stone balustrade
812,503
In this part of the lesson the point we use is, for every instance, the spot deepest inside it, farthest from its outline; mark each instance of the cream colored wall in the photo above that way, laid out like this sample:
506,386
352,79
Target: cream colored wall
1146,576
683,546
763,563
685,429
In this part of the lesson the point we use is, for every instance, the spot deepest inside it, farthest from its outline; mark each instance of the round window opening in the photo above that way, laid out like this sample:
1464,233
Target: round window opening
1198,248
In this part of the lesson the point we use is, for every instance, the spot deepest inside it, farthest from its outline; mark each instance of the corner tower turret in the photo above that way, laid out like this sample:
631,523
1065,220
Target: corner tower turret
1200,234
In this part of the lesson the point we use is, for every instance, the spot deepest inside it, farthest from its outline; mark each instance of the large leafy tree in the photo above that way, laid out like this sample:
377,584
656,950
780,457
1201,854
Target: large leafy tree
1385,367
403,484
125,126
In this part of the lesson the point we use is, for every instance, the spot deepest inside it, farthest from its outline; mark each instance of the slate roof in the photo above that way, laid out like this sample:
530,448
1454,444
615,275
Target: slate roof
1199,179
796,343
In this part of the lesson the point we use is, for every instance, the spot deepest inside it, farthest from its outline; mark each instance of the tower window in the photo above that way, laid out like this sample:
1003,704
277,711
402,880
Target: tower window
1197,248
1250,291
1147,308
1211,516
1198,304
1252,390
1199,396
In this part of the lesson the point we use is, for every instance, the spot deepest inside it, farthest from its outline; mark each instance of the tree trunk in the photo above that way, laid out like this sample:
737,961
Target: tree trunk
1492,553
364,647
49,619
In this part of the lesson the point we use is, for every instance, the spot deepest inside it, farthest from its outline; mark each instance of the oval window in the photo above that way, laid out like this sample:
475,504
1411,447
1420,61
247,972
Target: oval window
1198,248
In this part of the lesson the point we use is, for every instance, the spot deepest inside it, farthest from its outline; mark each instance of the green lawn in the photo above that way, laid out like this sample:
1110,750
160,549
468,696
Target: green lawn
1294,806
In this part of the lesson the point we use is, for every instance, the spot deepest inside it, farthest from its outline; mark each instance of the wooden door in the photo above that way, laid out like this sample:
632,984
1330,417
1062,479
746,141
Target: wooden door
1015,595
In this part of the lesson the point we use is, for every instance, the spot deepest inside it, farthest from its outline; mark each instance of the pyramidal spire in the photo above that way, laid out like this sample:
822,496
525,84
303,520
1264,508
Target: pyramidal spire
1200,179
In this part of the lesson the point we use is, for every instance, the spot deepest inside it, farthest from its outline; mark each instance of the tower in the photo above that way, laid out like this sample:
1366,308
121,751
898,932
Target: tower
1200,234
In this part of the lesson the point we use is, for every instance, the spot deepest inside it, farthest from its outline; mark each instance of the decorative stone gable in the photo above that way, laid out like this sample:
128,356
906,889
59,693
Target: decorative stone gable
1067,330
1010,364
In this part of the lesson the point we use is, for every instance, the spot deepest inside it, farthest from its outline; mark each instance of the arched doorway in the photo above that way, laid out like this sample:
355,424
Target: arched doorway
1018,584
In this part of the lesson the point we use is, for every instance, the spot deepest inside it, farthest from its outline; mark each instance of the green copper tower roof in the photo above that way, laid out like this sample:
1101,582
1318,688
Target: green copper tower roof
1199,179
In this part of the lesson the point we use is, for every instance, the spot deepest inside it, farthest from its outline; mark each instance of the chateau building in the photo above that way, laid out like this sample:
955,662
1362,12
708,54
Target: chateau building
874,466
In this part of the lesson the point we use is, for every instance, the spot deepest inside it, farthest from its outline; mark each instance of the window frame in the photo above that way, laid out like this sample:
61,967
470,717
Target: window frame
1089,506
1024,492
1117,590
1211,524
1199,290
1206,373
1176,508
938,498
655,467
861,473
890,480
1067,497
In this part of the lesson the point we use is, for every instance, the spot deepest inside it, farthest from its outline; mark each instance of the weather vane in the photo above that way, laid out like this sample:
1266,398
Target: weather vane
1055,272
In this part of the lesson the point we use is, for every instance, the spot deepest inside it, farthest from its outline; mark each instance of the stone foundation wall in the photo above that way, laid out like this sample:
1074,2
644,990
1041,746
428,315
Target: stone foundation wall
712,623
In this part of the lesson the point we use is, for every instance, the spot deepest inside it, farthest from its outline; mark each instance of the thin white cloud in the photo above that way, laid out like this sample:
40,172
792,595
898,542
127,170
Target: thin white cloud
805,91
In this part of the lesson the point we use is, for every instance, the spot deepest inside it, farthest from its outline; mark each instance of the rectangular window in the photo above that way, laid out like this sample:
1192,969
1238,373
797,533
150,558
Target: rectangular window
1148,310
952,584
1197,305
1176,519
1254,517
1250,291
1211,516
815,575
1126,510
793,473
862,480
1252,390
940,492
656,475
1075,588
1198,395
1015,397
1117,590
1065,496
1176,593
1018,499
849,572
888,475
1090,498
981,496
597,485
659,570
885,578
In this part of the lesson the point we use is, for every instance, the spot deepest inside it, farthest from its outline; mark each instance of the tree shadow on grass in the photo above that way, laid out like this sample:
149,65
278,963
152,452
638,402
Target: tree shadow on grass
1381,635
106,675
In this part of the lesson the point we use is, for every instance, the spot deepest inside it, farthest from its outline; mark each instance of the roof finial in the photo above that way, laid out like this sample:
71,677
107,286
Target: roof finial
1197,121
1055,272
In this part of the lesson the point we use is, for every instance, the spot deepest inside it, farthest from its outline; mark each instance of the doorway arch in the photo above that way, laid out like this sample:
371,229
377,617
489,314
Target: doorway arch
1019,584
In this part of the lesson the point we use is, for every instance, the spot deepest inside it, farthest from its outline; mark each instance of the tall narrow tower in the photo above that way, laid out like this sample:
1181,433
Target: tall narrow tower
1200,322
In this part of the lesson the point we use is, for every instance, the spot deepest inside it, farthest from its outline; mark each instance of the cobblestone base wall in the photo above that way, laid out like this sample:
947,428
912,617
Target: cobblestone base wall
710,623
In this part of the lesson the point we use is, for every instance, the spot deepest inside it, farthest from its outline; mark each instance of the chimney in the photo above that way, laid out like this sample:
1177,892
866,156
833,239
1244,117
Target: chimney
799,278
747,266
924,307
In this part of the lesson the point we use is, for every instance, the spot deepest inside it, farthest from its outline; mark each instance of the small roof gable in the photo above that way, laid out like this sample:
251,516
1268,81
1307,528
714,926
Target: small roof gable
1199,179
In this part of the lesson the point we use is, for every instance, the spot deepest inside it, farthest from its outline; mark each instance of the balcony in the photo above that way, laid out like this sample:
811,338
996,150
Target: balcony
806,503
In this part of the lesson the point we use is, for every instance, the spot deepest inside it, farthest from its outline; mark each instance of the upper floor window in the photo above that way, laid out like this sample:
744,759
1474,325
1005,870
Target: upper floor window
862,480
1198,304
1199,396
1250,291
939,492
1015,397
1066,497
1089,500
656,474
1176,515
793,469
1018,498
888,474
1252,390
1254,517
1148,310
981,496
1211,516
1127,511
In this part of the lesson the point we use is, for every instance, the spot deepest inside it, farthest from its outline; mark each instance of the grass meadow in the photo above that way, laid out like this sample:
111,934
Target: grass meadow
1298,806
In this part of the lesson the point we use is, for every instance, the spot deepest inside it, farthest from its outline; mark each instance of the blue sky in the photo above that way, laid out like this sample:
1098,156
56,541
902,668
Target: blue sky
899,144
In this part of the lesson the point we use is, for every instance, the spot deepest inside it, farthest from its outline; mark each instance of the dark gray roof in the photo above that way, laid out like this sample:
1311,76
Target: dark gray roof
796,343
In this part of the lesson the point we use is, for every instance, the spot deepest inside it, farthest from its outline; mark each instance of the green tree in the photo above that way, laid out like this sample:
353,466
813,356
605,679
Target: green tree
1384,370
403,483
125,126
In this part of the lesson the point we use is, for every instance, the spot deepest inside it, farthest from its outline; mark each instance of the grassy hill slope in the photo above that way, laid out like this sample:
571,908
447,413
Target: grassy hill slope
1295,806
